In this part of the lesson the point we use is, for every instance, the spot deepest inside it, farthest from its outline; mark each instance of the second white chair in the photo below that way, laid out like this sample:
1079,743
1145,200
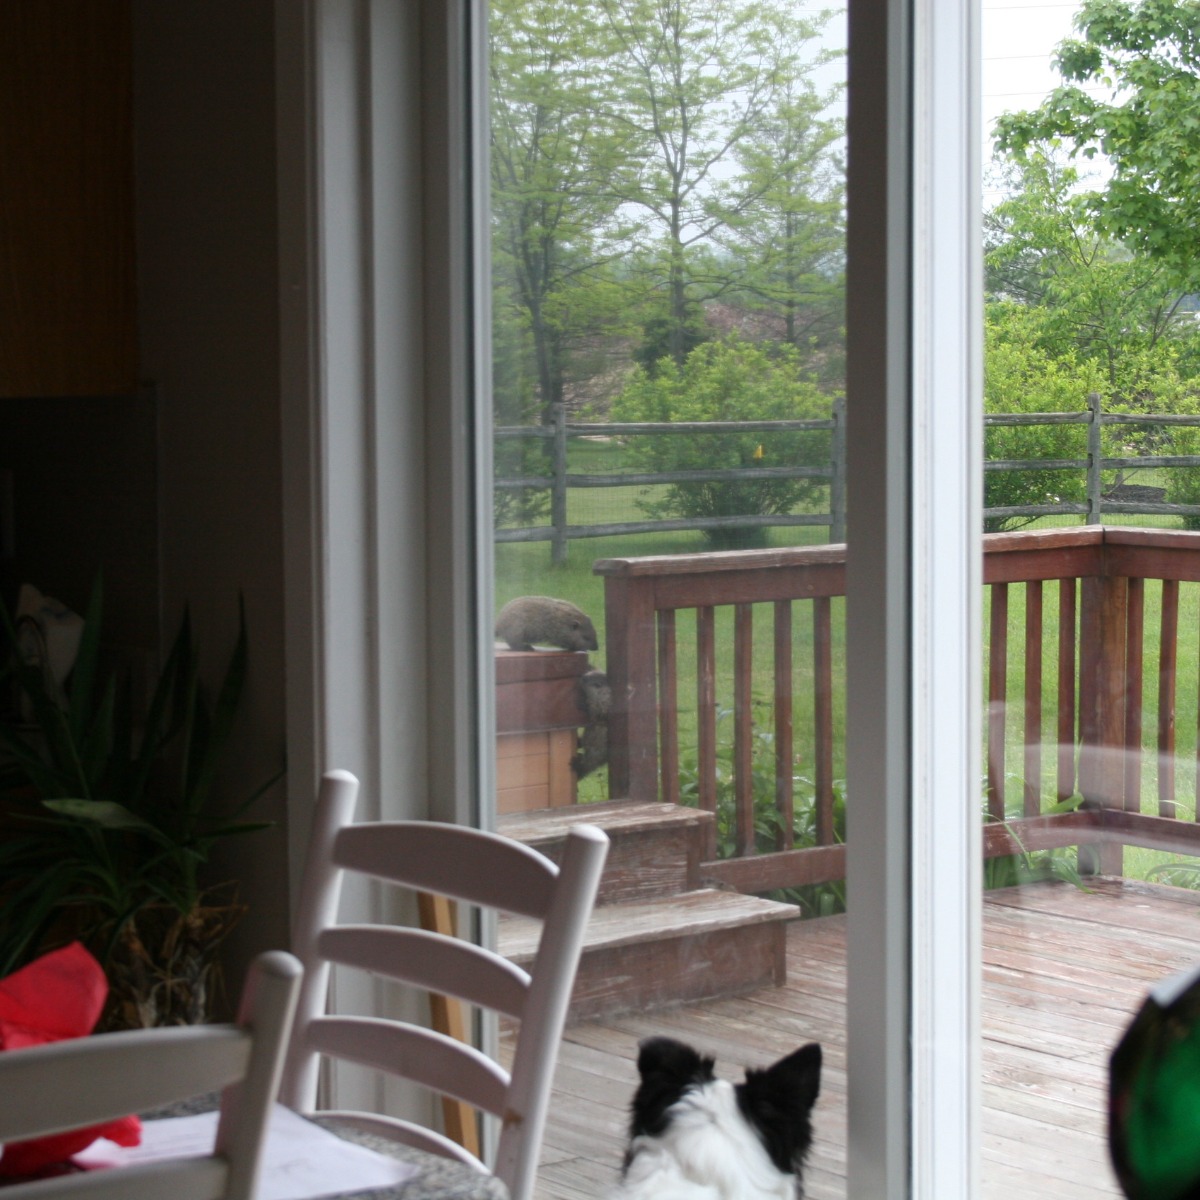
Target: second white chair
84,1081
466,865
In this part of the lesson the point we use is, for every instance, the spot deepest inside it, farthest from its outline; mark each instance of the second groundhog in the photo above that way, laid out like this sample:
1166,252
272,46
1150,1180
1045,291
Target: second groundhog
596,696
542,620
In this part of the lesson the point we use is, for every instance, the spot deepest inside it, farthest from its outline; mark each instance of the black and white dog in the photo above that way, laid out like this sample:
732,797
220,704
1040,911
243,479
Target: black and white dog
696,1137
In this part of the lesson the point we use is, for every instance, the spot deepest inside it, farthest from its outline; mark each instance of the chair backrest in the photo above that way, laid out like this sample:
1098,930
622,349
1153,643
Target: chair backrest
475,867
84,1081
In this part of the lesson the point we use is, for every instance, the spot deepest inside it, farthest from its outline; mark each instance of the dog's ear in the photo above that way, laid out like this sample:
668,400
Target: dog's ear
668,1068
778,1102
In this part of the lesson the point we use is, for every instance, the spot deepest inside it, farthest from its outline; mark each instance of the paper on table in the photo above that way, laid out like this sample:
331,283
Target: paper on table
301,1162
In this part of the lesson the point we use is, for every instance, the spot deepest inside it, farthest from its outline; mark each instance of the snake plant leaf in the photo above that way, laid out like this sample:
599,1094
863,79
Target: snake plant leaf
106,813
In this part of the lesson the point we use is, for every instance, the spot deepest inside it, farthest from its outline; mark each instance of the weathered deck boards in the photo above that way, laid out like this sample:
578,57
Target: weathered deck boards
1063,972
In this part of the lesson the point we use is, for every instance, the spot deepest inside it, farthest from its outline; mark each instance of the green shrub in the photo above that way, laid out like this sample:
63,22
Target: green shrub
730,380
1019,377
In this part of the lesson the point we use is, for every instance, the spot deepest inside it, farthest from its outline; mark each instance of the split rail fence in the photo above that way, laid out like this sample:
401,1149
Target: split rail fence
560,480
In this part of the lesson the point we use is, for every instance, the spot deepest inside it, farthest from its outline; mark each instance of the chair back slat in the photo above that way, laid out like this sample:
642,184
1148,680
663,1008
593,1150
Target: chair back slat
180,1179
451,860
132,1073
432,961
422,1055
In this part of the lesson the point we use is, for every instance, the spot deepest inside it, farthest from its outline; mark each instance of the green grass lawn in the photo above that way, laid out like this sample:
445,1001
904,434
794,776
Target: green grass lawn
526,569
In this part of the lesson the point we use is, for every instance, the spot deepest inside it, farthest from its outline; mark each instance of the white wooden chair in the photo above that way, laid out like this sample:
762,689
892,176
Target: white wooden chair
84,1081
467,865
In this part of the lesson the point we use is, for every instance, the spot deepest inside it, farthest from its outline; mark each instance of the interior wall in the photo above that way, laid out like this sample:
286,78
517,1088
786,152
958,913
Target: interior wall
204,118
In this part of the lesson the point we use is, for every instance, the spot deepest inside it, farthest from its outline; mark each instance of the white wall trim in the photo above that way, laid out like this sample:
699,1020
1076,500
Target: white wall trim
385,525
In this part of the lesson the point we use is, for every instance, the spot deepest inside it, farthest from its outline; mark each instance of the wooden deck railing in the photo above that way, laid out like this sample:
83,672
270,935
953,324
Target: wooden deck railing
1095,709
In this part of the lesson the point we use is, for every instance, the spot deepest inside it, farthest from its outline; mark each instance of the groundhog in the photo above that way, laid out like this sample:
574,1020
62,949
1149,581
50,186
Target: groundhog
596,695
531,620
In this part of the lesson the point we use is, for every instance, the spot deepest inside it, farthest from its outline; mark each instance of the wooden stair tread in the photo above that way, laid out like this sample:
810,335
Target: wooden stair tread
615,817
686,914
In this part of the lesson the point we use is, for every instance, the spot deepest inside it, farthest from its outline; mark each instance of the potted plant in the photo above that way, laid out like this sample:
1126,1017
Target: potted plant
110,822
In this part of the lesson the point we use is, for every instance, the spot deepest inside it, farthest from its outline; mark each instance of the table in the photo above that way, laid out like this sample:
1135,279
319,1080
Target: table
439,1178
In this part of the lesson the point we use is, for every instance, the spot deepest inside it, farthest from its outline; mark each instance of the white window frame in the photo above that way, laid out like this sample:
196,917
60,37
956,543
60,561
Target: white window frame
383,272
387,538
914,461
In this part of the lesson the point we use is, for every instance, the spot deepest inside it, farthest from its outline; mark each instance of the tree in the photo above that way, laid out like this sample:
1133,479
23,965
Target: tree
789,241
693,81
553,154
729,380
1086,297
1148,53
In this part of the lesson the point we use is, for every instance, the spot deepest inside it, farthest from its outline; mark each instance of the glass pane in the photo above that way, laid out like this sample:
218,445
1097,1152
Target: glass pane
1092,618
668,272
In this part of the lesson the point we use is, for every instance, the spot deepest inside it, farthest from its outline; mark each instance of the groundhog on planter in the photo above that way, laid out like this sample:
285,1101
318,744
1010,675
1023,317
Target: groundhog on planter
529,621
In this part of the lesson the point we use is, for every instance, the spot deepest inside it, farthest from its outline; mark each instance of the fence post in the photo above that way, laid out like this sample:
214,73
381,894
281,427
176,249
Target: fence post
1093,470
558,488
837,485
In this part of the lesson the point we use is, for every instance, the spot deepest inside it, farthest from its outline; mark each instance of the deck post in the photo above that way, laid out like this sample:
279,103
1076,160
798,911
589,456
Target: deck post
1102,668
629,662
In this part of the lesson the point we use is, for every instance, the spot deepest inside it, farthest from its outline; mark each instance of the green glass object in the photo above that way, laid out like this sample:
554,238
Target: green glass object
1154,1095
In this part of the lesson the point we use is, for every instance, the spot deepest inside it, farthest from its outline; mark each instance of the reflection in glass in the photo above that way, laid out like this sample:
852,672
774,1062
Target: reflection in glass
1093,415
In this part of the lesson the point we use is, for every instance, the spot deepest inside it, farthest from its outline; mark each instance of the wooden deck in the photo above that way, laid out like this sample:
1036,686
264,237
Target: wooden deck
1064,970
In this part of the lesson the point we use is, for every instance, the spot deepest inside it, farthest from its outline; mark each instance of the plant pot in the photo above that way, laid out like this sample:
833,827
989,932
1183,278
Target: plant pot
163,968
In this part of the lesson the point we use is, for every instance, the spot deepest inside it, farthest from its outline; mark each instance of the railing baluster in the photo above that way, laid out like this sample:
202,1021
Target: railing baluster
1168,658
997,698
1033,698
1066,688
743,727
823,718
1135,622
1104,629
668,708
706,723
784,797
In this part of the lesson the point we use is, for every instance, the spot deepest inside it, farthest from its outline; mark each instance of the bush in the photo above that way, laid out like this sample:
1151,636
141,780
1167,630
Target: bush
730,380
1019,377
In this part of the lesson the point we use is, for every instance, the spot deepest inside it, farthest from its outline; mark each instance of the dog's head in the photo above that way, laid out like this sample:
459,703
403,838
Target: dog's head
776,1102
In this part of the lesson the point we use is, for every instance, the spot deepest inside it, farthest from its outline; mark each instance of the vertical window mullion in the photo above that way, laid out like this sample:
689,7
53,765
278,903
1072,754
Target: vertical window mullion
947,452
913,635
878,700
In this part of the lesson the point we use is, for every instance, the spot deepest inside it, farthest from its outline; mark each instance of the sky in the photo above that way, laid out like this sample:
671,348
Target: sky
1019,37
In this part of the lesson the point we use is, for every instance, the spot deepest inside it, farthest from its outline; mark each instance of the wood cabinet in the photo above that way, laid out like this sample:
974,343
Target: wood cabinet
67,285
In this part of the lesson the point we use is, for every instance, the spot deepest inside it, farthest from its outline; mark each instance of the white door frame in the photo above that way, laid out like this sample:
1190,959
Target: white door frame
383,247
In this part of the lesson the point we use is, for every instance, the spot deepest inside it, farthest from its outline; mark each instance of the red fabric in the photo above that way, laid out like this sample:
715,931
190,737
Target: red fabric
57,996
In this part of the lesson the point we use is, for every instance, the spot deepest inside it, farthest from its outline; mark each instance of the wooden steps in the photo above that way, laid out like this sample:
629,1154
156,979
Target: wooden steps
654,849
656,936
